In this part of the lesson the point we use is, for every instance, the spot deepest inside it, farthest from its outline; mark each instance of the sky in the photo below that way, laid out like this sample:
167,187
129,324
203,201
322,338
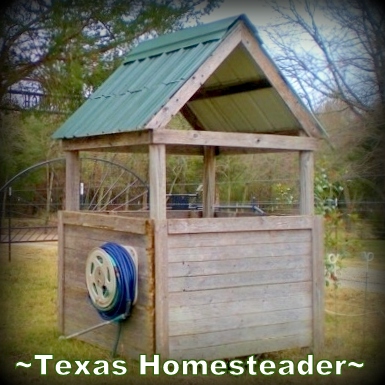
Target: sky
256,10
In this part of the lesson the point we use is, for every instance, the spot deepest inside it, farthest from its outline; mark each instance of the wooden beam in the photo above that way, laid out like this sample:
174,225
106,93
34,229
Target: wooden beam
107,142
157,175
161,289
318,285
278,82
223,90
72,187
209,182
182,96
191,118
232,139
306,203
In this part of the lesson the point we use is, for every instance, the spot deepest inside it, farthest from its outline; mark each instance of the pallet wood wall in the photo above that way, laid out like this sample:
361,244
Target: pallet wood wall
80,233
241,286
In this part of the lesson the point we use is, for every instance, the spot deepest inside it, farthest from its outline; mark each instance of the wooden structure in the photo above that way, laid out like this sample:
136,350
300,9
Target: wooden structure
209,287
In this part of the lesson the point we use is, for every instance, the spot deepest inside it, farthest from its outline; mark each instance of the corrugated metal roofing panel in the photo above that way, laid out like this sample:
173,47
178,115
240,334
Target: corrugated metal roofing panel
134,93
255,111
181,39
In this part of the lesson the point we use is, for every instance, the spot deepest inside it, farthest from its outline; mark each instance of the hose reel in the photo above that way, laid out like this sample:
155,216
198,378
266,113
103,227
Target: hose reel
111,278
112,282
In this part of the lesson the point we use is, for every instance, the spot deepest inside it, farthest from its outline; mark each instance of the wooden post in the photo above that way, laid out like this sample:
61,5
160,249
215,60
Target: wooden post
318,285
157,174
306,199
161,289
209,182
72,189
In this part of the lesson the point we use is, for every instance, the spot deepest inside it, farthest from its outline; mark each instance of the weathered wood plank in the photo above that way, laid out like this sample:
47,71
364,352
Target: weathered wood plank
306,199
205,297
235,140
257,238
244,348
209,182
107,222
239,279
85,238
157,176
221,225
240,251
139,327
207,268
108,142
161,289
72,185
231,322
223,309
318,285
243,334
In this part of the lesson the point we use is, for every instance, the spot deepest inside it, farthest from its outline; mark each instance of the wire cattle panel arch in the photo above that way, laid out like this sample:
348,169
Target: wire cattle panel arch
31,199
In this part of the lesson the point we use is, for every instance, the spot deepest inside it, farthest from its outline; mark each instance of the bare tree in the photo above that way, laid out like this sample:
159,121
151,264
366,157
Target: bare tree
332,50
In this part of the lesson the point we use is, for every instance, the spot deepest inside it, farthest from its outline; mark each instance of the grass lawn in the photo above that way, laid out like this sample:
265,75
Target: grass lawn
377,247
28,327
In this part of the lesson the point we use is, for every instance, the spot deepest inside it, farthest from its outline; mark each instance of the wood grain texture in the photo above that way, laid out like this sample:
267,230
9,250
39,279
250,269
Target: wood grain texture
240,285
81,233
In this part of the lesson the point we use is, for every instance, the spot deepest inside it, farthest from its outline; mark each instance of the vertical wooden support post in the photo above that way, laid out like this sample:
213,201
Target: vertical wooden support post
161,289
60,275
318,285
72,189
208,182
306,199
157,176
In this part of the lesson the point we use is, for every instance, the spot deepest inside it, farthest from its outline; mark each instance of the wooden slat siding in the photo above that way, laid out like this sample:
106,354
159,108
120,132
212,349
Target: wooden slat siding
239,279
243,334
60,272
256,142
277,81
229,323
205,297
138,333
241,265
161,289
106,221
239,284
181,97
221,225
236,239
209,253
247,348
318,285
239,307
72,185
97,237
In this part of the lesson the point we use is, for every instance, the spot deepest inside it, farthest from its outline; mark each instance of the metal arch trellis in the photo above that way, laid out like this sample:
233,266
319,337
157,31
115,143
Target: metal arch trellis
29,214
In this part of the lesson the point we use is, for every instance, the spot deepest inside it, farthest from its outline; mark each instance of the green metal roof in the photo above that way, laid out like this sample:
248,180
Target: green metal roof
148,77
156,69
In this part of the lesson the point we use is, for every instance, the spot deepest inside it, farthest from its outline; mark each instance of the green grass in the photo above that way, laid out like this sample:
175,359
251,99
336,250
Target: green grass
29,326
377,247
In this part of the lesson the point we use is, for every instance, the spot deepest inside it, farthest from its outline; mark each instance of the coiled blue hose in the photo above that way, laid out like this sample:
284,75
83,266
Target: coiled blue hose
126,277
